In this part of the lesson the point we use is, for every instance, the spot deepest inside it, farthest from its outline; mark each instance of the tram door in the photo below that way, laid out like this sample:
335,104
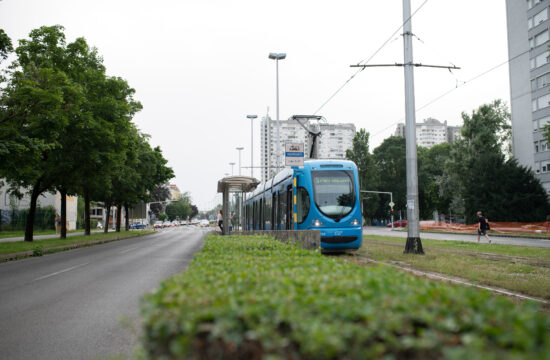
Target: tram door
274,222
262,224
289,208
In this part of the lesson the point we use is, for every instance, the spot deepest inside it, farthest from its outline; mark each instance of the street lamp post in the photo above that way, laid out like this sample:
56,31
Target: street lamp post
239,148
232,164
252,117
277,57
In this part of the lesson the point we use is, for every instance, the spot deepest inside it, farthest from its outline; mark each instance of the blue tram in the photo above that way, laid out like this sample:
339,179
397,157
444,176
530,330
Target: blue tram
323,195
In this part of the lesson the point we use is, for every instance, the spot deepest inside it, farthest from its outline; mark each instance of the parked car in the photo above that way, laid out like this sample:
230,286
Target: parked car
138,226
166,224
158,225
398,223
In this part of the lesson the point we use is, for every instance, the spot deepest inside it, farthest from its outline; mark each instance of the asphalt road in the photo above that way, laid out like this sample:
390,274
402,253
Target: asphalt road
377,230
84,303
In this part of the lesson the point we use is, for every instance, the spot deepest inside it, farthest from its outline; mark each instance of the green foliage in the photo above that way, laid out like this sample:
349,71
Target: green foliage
179,209
5,45
368,172
254,297
479,176
390,159
44,219
65,125
38,250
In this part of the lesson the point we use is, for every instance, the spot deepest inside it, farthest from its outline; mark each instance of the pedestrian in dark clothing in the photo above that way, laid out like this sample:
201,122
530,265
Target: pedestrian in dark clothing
482,223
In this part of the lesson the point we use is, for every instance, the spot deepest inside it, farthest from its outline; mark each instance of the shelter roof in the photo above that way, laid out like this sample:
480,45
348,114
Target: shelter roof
237,183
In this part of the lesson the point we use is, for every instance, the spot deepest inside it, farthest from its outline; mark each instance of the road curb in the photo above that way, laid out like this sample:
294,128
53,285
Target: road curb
59,248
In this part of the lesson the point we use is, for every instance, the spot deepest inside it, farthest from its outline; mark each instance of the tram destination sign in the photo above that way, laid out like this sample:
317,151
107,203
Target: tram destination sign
294,154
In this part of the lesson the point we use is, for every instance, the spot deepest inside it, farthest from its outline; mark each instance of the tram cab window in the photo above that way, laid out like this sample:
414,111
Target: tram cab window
302,204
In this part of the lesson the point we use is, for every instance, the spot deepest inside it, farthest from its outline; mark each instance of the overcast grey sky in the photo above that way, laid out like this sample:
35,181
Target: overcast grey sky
200,66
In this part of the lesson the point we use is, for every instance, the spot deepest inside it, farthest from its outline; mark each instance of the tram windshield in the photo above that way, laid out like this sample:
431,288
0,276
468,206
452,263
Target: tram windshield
334,192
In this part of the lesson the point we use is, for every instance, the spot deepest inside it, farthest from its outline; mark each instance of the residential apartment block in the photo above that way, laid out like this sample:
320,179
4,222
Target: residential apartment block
529,66
333,142
431,132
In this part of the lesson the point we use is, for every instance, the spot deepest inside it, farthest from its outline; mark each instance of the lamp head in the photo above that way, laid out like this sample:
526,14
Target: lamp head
277,56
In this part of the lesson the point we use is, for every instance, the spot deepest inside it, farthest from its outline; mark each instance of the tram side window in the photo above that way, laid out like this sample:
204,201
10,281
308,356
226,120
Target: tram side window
282,210
261,215
267,214
255,210
302,204
274,220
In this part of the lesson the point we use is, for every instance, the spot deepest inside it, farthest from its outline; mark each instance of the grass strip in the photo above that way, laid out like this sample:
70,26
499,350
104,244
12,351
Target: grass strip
21,249
254,297
521,269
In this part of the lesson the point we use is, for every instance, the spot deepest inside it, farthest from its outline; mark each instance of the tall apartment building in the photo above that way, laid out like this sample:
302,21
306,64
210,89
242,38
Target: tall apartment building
529,66
333,142
431,132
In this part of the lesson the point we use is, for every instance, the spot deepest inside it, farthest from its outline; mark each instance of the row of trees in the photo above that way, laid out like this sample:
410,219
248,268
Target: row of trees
474,173
67,126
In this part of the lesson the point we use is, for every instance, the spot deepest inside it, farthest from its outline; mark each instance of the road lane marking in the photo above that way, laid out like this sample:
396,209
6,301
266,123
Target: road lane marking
130,249
60,272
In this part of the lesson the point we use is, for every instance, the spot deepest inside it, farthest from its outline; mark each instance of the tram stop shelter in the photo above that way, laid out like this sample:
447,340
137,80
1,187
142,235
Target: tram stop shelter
238,185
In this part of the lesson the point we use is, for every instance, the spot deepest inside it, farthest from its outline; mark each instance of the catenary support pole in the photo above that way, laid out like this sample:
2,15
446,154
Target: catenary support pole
414,244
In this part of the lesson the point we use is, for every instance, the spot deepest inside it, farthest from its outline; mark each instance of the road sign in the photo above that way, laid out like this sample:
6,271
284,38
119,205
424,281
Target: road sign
294,154
392,204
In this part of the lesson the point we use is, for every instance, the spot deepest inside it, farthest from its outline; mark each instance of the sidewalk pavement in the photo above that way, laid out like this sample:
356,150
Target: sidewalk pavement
508,240
41,237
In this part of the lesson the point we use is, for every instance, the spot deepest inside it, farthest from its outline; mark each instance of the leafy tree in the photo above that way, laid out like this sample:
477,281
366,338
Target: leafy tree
482,176
160,193
368,173
389,158
430,170
5,45
37,104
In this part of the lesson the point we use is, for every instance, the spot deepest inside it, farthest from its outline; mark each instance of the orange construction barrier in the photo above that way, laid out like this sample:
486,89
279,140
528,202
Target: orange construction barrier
498,227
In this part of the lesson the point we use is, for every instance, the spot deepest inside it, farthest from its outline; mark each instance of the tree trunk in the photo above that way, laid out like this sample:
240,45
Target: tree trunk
87,224
63,193
127,218
118,215
107,215
29,226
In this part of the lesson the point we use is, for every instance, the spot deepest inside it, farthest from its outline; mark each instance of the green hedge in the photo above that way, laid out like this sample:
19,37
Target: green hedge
254,297
44,219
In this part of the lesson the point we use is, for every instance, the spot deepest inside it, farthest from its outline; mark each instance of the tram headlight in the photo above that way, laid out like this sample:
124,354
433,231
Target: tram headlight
355,222
317,222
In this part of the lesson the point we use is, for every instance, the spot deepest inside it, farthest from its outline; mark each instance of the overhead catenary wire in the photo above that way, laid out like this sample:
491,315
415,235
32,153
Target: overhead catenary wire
439,97
367,60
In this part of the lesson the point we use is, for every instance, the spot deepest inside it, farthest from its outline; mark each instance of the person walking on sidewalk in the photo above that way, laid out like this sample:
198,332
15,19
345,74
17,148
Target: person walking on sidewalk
482,226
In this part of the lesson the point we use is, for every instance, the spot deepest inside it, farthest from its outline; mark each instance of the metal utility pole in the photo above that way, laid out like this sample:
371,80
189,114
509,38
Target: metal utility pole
414,244
277,57
239,150
251,117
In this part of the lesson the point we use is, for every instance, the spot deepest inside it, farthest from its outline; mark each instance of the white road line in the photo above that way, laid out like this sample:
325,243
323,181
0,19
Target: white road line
60,271
130,249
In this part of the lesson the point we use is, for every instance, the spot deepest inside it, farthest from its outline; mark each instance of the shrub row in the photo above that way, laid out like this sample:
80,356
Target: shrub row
252,297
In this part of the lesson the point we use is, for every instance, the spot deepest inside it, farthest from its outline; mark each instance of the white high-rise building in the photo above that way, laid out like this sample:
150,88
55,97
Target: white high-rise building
431,132
528,40
333,142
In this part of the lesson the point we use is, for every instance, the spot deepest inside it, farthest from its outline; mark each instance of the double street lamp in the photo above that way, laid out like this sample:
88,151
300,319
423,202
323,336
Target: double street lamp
251,117
277,57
